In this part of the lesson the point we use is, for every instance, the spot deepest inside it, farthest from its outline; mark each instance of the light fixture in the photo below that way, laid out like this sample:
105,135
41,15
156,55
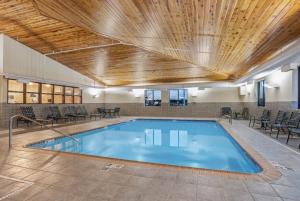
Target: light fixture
30,83
95,92
138,92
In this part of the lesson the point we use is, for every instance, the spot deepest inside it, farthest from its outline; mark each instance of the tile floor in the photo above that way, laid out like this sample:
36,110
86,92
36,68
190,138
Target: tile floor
62,177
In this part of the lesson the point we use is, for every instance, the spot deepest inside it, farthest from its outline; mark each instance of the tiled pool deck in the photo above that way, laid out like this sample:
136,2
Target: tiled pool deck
30,174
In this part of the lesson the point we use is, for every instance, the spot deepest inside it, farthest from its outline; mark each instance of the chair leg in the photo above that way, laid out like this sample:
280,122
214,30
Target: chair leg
277,133
288,138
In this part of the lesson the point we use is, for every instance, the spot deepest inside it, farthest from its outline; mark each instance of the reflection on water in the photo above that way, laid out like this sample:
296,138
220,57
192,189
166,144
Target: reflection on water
175,138
153,137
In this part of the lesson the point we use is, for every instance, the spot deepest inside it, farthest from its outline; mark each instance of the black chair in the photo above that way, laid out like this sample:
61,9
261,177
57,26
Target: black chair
278,123
293,128
55,114
29,113
102,111
265,116
116,112
226,112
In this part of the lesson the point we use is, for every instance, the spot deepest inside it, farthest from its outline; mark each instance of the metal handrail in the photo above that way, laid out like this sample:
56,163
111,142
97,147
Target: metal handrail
34,121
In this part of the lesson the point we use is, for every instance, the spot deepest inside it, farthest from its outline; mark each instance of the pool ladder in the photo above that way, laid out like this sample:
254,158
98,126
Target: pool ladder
10,131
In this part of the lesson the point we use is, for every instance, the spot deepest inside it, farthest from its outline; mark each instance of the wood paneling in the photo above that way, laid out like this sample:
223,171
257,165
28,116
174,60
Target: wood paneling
167,40
20,20
227,36
127,65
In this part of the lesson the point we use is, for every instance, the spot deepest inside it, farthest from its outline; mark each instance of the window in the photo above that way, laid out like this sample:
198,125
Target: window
33,92
47,93
261,93
58,94
15,92
152,98
69,91
77,95
178,97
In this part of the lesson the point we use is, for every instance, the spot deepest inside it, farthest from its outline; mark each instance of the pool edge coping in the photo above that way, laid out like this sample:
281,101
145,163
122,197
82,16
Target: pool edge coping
268,172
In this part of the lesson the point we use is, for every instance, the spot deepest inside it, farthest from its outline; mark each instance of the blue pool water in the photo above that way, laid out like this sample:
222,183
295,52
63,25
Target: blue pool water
198,144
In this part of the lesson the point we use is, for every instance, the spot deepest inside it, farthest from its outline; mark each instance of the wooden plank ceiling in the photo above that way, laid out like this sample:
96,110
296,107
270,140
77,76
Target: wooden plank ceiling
164,41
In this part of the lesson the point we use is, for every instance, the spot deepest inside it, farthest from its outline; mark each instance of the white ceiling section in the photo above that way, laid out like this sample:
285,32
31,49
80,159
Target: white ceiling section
24,63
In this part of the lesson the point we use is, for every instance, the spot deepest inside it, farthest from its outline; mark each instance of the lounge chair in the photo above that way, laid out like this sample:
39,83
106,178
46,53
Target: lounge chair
29,113
82,110
266,116
77,112
55,114
278,123
242,115
70,111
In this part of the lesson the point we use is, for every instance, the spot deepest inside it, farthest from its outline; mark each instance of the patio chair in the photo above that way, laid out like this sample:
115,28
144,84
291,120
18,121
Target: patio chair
102,111
29,113
226,112
55,114
293,121
265,117
293,128
242,115
116,112
278,123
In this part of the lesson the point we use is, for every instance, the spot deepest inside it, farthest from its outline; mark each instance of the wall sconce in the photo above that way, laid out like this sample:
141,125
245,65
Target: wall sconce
138,92
95,93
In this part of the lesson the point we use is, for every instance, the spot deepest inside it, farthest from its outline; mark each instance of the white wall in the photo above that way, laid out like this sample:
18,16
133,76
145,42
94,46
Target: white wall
207,95
284,92
89,97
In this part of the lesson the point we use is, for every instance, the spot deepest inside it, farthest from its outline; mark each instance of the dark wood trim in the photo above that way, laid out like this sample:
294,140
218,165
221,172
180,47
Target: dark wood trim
40,93
298,87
